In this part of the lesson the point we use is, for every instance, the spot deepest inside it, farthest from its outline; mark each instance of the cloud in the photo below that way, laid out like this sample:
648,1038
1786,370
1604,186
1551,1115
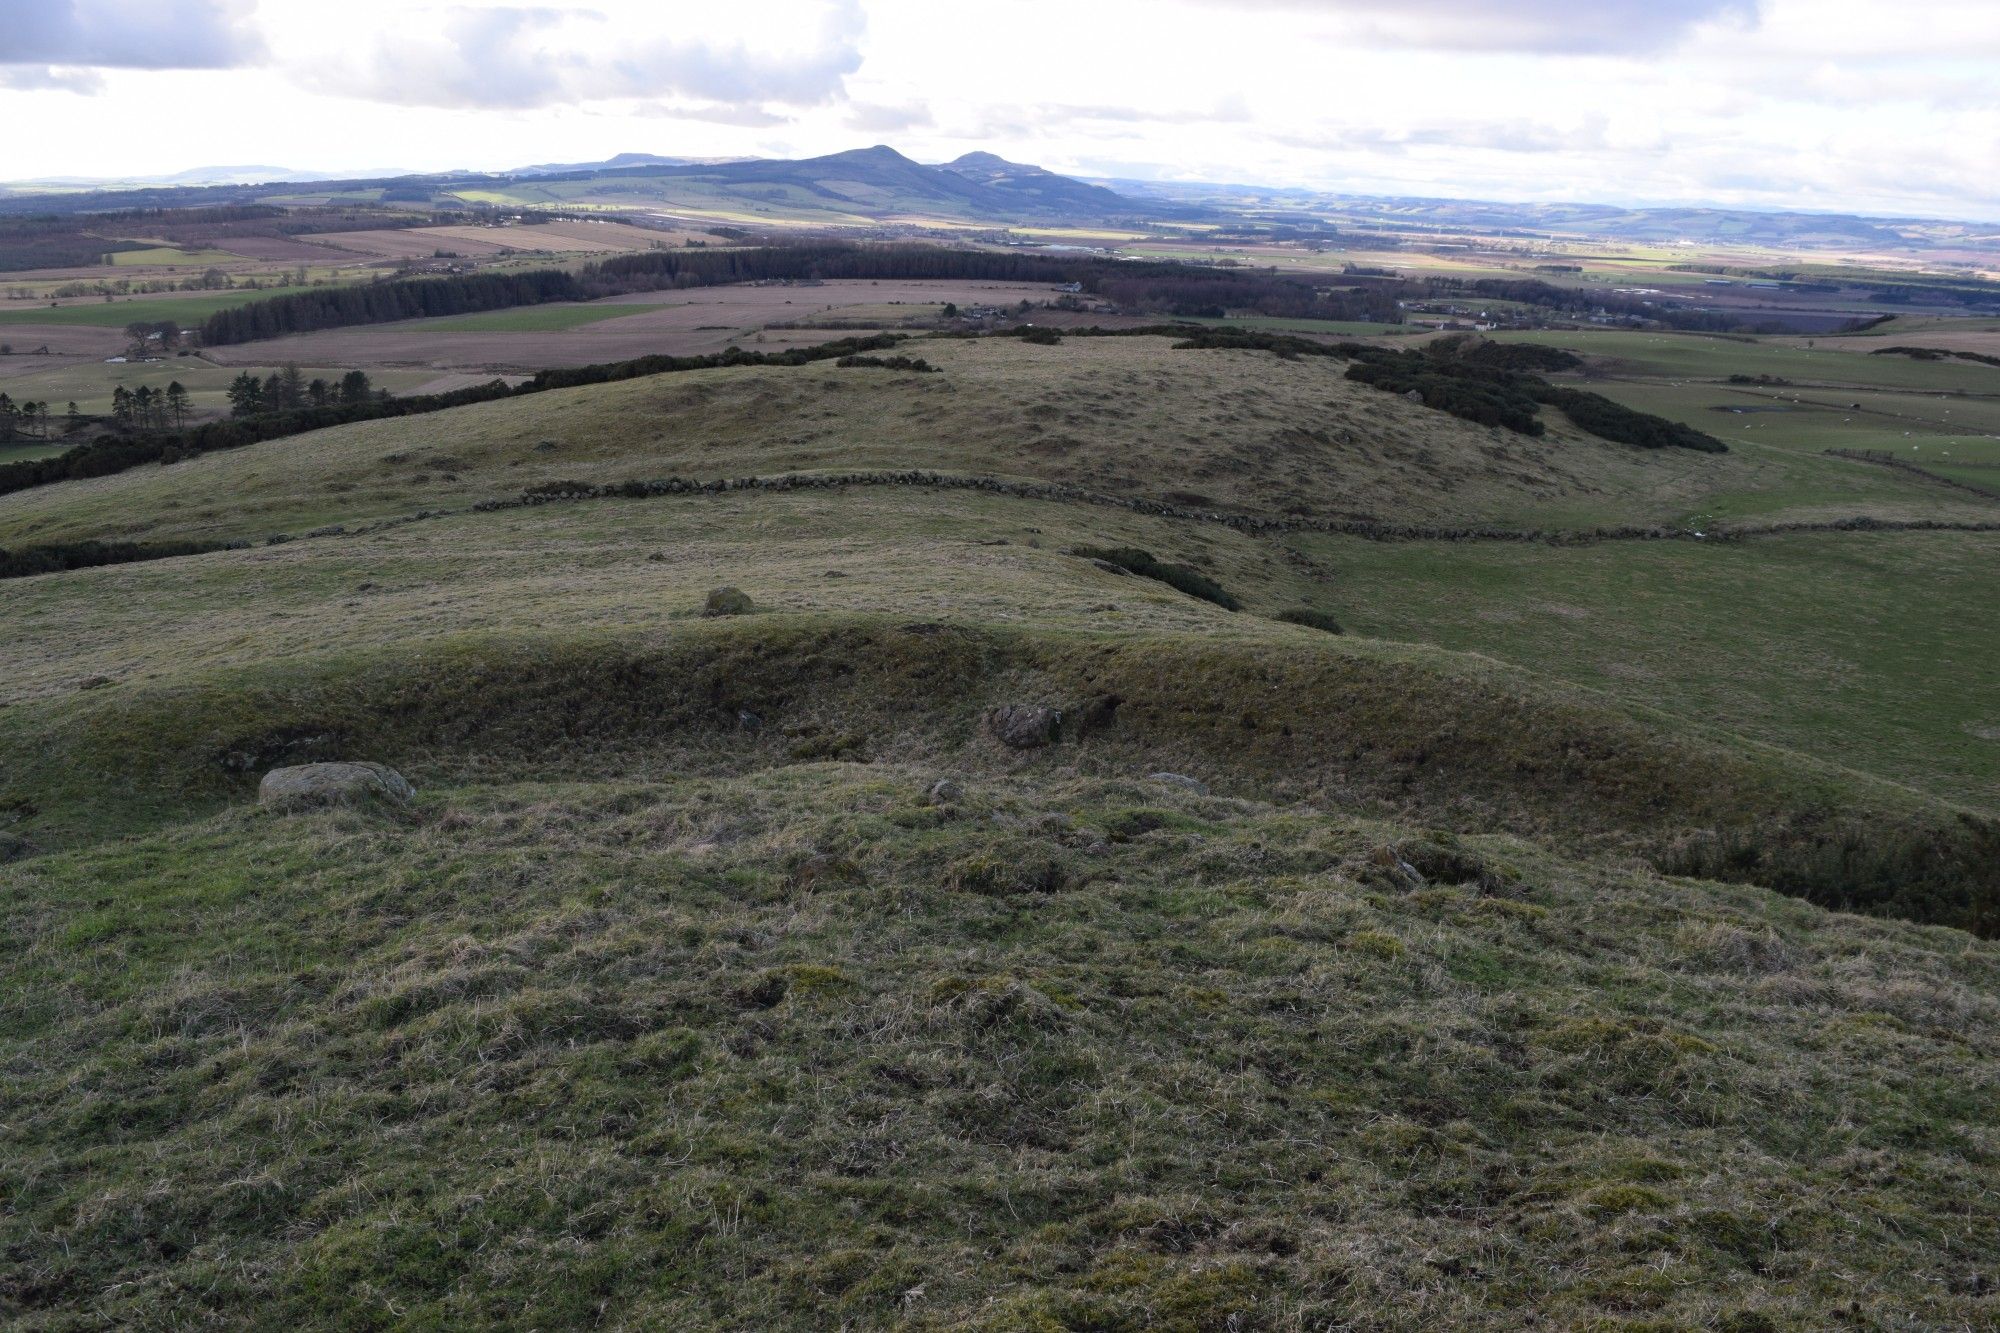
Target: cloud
125,34
750,117
523,58
1545,27
47,78
870,118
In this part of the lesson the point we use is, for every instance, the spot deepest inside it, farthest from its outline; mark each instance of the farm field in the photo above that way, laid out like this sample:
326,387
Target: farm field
1716,357
168,256
1874,678
95,312
676,323
419,242
528,319
19,451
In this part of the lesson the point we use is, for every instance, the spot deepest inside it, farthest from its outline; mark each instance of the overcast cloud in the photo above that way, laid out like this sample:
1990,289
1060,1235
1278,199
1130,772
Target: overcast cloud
128,34
1557,27
1861,105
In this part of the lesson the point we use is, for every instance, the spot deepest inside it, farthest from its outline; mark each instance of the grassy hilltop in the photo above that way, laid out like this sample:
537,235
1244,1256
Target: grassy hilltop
1486,958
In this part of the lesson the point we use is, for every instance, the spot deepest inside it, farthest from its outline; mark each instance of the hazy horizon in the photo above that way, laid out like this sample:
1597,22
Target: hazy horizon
1773,105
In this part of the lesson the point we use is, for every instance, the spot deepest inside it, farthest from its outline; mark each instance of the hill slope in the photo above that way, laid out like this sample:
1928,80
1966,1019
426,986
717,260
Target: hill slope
730,971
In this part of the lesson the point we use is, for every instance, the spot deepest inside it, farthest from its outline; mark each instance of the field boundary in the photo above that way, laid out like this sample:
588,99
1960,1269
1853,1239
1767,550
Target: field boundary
558,492
1880,459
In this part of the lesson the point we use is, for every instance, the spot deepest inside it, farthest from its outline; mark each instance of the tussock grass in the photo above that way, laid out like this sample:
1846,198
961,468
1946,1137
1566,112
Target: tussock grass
765,1051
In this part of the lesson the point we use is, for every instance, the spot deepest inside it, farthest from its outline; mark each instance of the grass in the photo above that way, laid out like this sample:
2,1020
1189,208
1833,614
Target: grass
761,1051
1716,357
1357,328
21,451
190,309
1226,430
1739,635
527,319
170,254
685,996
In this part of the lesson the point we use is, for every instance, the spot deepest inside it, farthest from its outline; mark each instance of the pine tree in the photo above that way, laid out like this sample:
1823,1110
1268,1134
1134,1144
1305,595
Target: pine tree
121,405
245,395
177,403
354,387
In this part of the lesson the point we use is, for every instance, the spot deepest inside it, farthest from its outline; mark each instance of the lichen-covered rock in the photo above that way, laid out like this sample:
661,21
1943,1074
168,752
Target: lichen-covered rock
728,602
1024,726
306,786
946,792
1182,780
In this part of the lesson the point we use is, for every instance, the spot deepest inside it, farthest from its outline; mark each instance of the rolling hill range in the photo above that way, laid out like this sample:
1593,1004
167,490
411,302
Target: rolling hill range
915,849
876,183
866,184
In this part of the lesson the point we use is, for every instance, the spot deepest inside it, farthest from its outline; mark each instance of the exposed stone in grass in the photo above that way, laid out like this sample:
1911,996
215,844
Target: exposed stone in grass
728,602
1024,726
308,785
945,792
1181,780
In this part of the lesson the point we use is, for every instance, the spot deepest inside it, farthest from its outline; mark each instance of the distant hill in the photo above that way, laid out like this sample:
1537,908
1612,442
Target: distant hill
1036,185
1615,222
881,183
620,162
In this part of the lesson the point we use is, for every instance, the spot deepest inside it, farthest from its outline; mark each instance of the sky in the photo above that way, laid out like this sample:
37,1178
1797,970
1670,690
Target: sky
1849,105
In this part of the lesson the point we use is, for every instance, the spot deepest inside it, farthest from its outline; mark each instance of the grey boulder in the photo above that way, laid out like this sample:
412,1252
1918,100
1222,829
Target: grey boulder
307,785
1024,726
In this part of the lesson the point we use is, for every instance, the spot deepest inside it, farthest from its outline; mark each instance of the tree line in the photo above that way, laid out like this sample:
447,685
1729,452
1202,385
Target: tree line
1163,287
24,420
288,390
387,302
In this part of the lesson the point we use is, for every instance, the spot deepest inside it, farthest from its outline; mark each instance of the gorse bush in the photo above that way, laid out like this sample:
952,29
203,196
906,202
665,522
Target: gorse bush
1179,577
912,363
1490,384
1483,402
1310,618
1612,421
54,558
